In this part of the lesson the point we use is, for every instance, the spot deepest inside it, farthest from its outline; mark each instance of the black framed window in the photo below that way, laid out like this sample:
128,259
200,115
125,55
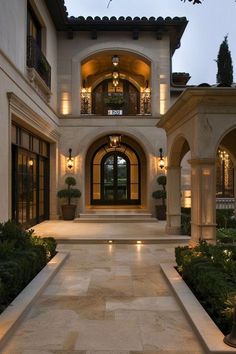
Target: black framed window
34,28
30,177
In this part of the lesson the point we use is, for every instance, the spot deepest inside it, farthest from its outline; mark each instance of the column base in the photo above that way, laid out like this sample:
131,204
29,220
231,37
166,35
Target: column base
173,230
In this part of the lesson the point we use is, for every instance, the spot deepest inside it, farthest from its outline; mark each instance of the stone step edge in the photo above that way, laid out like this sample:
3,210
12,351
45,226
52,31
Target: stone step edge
206,330
114,215
163,239
114,220
10,318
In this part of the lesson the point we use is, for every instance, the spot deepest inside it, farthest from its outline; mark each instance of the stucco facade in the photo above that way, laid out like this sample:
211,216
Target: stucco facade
57,79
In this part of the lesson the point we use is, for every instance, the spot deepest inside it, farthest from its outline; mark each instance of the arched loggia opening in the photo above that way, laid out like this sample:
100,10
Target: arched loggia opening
177,159
225,172
120,89
116,175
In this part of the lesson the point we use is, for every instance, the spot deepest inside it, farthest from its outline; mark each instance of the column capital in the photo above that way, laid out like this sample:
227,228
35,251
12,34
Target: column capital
171,168
202,161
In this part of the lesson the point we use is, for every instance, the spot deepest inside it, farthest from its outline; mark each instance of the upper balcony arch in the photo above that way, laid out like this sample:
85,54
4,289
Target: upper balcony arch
121,89
119,47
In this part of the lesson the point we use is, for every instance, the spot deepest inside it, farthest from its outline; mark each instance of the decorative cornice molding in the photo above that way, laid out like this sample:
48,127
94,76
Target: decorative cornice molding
29,116
197,99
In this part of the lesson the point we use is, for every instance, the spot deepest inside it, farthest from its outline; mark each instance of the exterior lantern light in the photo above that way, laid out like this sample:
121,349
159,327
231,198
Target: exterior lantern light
115,74
31,162
114,141
161,162
115,83
70,160
115,60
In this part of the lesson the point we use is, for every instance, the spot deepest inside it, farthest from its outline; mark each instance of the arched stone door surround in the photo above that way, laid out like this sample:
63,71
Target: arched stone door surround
135,149
204,116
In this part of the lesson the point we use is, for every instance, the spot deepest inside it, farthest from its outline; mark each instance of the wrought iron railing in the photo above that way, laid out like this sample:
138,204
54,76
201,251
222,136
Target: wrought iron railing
115,103
225,203
36,60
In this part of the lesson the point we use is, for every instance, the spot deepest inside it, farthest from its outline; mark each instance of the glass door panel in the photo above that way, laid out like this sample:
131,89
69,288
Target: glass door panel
115,177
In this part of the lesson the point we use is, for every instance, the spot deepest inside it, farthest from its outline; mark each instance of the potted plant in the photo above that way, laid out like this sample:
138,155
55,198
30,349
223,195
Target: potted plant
161,194
114,101
68,210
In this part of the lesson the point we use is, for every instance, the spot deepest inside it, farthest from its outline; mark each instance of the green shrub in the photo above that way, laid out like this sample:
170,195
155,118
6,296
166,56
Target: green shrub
225,218
210,271
22,256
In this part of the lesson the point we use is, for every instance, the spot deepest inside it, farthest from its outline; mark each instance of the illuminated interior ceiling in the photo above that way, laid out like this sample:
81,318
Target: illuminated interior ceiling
131,66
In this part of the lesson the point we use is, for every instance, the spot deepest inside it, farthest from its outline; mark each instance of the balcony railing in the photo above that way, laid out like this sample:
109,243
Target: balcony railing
36,60
113,104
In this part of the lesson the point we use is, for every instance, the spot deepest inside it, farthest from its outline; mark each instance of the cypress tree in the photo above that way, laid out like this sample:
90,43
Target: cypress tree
224,64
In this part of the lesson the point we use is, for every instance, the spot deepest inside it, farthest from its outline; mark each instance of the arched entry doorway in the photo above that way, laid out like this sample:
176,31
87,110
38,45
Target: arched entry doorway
115,176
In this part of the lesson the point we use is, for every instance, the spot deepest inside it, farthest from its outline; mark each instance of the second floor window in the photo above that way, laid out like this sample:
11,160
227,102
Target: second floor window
34,27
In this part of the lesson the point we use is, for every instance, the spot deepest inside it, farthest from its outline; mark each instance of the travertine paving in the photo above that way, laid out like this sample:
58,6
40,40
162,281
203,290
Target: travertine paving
107,299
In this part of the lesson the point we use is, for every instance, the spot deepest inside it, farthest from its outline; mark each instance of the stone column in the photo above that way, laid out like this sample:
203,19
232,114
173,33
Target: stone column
155,93
203,200
173,224
76,88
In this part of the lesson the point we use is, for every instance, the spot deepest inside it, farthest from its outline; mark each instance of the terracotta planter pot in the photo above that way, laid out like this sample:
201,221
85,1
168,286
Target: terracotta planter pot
68,212
161,212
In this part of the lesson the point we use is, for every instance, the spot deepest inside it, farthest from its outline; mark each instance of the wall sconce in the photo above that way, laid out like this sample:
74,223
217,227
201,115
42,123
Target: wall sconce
114,141
31,162
70,160
161,162
115,60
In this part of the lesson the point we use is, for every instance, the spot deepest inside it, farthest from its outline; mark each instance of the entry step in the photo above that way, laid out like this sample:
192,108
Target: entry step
103,216
116,219
115,214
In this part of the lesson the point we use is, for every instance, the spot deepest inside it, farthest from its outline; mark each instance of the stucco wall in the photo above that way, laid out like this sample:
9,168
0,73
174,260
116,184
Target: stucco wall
80,138
72,51
13,33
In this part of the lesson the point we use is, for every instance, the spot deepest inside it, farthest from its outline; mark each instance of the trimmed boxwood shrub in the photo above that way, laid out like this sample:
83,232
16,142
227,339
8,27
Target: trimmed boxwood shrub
210,272
22,256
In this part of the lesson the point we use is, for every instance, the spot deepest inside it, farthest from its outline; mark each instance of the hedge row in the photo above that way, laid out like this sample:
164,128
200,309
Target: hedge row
210,272
22,256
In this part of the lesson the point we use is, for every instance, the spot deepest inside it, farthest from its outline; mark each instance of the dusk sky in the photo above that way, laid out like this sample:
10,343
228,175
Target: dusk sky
208,24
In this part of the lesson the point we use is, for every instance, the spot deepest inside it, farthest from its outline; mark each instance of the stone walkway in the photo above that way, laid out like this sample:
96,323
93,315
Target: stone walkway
107,299
69,231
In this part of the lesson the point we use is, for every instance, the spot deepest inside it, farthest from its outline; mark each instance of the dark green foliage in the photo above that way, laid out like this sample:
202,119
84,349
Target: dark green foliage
210,272
22,256
225,218
226,235
161,180
69,193
224,64
194,1
70,181
161,194
186,221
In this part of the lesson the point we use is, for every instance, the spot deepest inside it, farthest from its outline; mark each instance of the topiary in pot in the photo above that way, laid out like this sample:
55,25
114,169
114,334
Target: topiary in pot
161,194
68,210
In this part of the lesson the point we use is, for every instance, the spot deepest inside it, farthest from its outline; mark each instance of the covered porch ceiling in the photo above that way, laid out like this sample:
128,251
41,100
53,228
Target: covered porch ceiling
130,65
